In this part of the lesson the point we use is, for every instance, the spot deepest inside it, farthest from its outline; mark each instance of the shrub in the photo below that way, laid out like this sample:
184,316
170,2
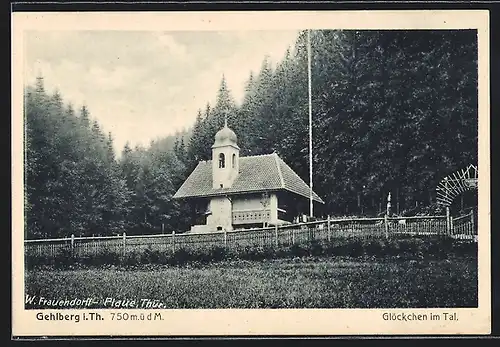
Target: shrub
246,253
150,256
391,248
465,248
202,256
406,247
329,248
131,259
437,249
315,248
180,257
350,247
64,258
105,256
449,244
164,257
32,261
217,253
298,250
283,252
356,249
337,249
232,253
86,260
269,252
374,247
252,253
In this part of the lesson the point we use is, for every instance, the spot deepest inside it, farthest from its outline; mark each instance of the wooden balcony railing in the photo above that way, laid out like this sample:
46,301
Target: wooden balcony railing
251,216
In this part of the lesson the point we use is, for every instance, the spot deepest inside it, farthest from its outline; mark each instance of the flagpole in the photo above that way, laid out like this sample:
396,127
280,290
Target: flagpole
310,124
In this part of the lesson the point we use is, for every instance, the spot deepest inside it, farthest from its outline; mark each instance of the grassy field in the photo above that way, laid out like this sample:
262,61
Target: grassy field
308,282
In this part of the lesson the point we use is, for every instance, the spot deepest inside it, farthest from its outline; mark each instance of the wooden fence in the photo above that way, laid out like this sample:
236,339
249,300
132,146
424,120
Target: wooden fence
287,235
464,227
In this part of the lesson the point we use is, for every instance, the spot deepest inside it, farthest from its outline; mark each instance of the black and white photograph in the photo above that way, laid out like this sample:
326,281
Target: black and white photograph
252,170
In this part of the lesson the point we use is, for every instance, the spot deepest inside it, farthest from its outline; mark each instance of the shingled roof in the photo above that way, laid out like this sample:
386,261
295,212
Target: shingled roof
257,174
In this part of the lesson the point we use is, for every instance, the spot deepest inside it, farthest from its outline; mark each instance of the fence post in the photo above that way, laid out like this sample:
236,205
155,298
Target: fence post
386,223
173,241
388,208
124,242
472,222
448,221
225,237
276,233
293,236
445,227
387,213
328,225
451,225
72,244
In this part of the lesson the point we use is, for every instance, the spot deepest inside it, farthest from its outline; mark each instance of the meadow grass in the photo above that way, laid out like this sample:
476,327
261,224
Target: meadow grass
300,282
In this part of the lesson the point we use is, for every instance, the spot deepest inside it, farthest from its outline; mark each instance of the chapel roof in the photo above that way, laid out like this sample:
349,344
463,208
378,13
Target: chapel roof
259,173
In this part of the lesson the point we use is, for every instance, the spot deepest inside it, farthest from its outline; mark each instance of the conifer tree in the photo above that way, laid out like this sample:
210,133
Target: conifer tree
84,117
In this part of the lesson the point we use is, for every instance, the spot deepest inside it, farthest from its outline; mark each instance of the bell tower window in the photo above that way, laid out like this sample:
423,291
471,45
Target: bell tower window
222,161
234,160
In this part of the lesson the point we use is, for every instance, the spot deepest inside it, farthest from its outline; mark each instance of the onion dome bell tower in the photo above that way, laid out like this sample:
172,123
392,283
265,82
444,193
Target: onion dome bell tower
225,158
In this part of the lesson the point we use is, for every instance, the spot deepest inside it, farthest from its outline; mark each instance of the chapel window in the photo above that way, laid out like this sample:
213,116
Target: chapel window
234,160
222,161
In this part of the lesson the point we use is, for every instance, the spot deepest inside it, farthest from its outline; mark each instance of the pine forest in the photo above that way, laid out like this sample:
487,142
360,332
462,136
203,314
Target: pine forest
393,111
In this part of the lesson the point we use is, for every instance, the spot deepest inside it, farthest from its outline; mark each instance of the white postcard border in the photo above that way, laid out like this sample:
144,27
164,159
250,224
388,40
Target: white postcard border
253,322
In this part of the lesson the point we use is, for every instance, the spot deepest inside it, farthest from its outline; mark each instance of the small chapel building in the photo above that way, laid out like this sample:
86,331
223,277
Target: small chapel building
232,192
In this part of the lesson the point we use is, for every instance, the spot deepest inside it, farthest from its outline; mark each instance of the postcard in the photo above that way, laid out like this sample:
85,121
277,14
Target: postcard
250,173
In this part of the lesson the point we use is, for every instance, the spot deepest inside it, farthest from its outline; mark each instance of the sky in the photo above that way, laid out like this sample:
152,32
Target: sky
143,85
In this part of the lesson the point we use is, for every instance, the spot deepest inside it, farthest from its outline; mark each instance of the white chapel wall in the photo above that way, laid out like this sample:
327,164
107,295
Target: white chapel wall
245,203
221,213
